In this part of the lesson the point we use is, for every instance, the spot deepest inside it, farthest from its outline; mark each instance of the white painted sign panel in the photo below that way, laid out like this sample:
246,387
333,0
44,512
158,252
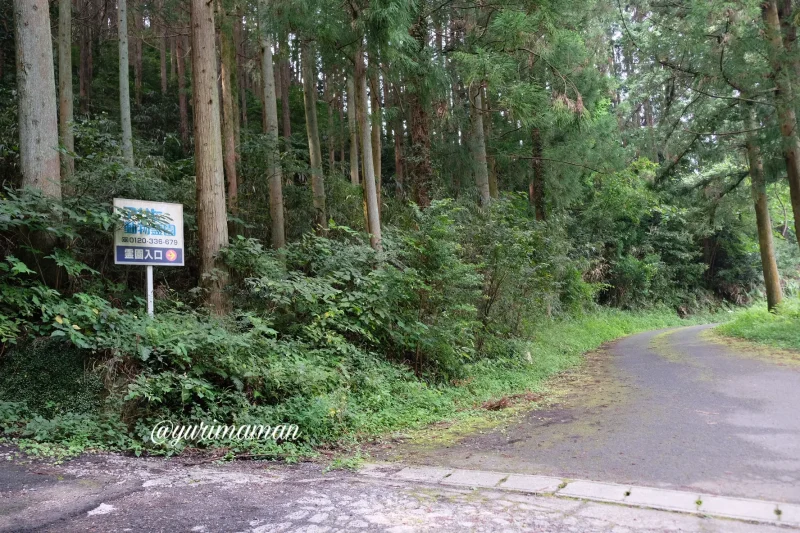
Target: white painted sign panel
157,241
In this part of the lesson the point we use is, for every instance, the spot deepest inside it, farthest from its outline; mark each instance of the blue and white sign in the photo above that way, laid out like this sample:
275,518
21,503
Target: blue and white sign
151,233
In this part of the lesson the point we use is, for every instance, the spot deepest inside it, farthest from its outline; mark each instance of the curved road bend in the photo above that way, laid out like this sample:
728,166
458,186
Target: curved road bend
664,409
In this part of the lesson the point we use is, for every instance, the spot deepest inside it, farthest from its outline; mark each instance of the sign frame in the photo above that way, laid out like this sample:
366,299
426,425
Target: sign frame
140,244
157,246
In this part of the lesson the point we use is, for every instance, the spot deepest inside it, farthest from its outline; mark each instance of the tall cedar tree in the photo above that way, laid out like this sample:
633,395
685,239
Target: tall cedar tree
211,215
309,60
274,171
124,82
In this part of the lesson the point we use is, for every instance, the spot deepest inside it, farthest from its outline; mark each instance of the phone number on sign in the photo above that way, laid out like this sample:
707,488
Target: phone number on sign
150,240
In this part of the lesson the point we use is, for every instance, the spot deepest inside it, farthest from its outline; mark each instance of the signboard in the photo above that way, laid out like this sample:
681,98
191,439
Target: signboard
151,233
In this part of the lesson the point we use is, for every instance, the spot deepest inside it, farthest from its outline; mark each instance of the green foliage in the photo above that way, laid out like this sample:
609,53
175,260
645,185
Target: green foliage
51,377
326,334
28,306
527,266
642,248
338,292
780,328
63,435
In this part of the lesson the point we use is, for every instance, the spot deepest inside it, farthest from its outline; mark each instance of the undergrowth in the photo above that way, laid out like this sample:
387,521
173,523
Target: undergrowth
378,397
780,329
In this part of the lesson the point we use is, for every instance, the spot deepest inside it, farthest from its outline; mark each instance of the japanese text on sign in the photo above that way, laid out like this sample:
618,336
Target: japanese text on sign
151,233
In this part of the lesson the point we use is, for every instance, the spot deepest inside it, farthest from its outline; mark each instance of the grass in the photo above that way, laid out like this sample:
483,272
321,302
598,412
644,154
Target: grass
555,347
780,329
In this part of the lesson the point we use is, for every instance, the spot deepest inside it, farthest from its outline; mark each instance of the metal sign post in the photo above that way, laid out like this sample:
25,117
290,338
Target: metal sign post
150,290
151,234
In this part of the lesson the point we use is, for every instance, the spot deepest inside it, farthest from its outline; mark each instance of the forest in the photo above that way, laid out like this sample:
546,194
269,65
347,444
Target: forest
394,210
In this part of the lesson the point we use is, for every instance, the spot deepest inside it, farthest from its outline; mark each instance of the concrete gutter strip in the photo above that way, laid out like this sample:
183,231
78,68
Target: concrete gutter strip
654,498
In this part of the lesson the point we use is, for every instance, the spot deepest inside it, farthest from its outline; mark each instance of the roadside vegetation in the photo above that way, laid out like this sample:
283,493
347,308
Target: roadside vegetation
54,403
780,328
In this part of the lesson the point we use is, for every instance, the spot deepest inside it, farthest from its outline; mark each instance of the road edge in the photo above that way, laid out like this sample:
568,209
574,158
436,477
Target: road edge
697,503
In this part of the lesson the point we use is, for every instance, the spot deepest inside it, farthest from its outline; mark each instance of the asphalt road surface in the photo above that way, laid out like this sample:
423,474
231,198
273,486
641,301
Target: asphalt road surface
672,408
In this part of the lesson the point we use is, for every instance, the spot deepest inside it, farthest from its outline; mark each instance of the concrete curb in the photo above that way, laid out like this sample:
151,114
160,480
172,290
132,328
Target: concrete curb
785,514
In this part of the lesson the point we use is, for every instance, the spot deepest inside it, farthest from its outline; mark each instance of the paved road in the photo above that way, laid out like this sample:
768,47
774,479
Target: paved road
663,409
117,494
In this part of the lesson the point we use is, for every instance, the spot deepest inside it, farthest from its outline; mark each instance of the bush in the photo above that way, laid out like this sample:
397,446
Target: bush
51,376
527,266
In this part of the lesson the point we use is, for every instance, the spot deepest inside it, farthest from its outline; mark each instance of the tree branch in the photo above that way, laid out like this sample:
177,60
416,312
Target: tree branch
720,134
562,162
737,98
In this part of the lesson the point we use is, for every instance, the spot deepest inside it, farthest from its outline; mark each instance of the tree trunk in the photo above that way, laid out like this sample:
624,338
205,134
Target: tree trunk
65,87
173,58
370,190
769,267
228,115
420,172
377,124
138,26
353,127
536,186
124,84
108,22
183,105
278,80
479,149
314,151
36,89
211,216
84,72
286,118
239,43
38,122
342,132
398,158
275,173
786,115
387,102
491,164
94,48
360,127
237,124
331,144
398,135
786,10
163,47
